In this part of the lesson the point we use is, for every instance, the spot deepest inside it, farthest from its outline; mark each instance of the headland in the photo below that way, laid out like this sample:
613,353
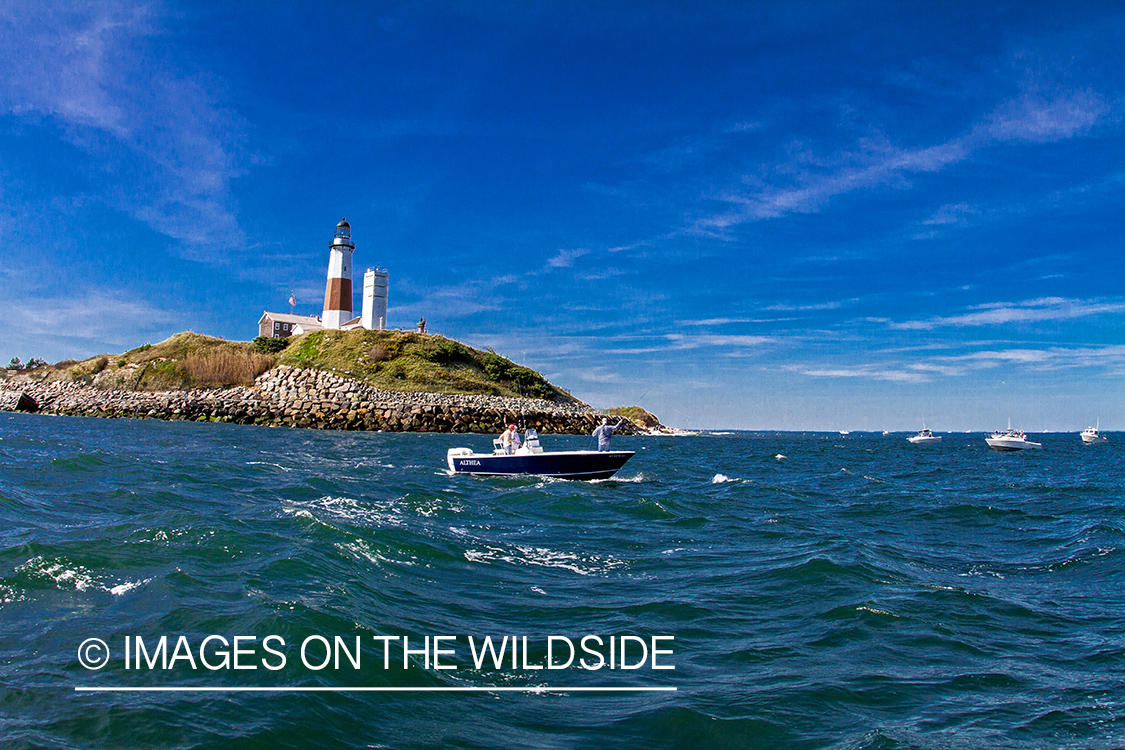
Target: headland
390,381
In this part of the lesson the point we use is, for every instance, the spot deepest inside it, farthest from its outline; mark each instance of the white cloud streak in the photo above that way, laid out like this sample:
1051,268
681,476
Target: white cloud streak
1028,311
867,373
808,182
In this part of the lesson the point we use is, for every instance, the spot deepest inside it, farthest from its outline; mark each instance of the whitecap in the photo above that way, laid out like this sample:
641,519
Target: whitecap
362,550
627,480
124,588
64,577
68,577
874,611
268,463
544,557
9,595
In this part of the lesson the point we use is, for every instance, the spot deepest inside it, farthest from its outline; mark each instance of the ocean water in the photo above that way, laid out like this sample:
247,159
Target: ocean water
810,591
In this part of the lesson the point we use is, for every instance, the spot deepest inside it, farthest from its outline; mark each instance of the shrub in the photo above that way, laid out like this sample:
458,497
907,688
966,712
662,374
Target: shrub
496,367
443,351
268,345
217,367
99,365
15,364
378,354
527,381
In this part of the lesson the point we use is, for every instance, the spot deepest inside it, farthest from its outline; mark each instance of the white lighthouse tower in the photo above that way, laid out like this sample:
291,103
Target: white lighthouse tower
338,294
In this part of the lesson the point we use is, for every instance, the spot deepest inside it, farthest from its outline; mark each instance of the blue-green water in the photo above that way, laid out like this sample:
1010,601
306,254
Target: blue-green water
858,592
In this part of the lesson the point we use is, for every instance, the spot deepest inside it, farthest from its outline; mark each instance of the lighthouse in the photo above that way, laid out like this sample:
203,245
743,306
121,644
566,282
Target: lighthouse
338,313
338,294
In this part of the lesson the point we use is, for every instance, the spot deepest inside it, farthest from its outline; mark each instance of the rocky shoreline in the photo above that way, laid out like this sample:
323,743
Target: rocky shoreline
308,398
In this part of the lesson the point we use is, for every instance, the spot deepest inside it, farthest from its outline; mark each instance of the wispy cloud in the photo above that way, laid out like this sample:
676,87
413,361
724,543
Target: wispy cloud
101,320
565,258
961,216
1028,311
1057,358
716,322
103,314
866,372
805,308
162,146
809,191
700,341
1037,118
808,179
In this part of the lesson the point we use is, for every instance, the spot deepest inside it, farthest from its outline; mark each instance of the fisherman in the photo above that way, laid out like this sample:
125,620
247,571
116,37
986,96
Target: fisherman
510,439
604,433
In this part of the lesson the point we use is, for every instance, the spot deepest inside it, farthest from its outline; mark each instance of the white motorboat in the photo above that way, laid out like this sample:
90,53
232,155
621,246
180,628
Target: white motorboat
1092,435
530,458
1010,440
924,436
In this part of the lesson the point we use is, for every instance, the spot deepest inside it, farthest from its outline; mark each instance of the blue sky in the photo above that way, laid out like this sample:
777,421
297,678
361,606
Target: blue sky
795,215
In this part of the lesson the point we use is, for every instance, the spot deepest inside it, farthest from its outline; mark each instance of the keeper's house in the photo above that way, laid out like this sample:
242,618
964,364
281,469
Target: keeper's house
337,297
284,325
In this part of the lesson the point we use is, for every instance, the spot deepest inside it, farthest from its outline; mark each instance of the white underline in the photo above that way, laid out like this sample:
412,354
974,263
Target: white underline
544,689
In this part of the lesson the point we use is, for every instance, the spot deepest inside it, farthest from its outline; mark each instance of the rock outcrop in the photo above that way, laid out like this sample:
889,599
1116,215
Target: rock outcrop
17,400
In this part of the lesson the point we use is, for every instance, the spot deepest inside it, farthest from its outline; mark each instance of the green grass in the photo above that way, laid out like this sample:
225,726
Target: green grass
407,361
636,414
392,360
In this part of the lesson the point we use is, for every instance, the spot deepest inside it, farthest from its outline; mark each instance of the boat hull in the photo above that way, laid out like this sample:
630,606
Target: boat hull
556,464
1003,445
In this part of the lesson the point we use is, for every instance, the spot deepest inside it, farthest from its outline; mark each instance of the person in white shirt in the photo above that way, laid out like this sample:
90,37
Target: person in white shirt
604,433
510,439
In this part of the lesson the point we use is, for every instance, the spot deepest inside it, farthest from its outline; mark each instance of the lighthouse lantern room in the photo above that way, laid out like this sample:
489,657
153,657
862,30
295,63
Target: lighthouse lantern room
338,294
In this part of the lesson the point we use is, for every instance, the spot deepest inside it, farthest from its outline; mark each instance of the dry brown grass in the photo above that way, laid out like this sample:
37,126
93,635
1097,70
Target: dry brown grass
223,366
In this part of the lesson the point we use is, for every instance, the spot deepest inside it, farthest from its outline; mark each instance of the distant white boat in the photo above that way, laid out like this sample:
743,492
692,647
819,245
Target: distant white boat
1010,440
924,436
1092,435
845,432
